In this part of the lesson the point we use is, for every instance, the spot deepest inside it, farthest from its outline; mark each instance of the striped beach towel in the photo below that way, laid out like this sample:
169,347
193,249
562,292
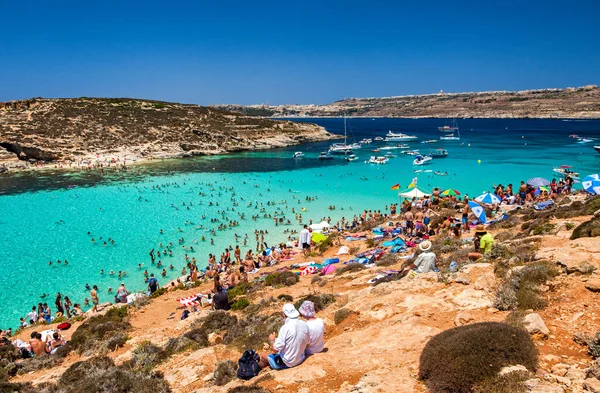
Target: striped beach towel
190,300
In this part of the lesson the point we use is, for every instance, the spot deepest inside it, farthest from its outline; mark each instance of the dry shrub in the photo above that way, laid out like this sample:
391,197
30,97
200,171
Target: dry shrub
141,301
226,371
594,346
520,288
388,259
350,268
589,228
252,332
248,389
147,356
461,358
240,304
508,383
318,280
282,279
285,298
102,332
341,314
101,375
321,302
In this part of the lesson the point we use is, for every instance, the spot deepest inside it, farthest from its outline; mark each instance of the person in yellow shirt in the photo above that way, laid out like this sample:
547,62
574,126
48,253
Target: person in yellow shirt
482,241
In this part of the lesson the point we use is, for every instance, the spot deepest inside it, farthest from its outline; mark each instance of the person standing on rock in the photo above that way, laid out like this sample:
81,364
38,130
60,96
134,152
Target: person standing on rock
94,295
290,344
304,240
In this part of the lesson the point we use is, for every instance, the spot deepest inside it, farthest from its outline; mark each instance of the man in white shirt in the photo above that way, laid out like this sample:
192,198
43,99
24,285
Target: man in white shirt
32,316
316,328
290,344
304,240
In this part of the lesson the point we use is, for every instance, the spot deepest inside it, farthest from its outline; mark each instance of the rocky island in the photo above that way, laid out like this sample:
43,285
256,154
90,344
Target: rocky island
581,102
82,130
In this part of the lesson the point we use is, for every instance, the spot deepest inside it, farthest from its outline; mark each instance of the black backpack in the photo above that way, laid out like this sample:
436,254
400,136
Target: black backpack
248,367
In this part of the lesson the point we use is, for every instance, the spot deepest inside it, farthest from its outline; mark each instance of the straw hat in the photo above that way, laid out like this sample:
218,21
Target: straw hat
480,229
425,245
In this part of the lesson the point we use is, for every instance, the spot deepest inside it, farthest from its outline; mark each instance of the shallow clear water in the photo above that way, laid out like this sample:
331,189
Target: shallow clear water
126,208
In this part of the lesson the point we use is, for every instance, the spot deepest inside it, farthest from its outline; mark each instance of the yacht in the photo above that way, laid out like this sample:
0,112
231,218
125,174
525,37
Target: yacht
395,137
325,156
378,138
343,148
438,153
298,154
378,160
422,160
401,146
452,128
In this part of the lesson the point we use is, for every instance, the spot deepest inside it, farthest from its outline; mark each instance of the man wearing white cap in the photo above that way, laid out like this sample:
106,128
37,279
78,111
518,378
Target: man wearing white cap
290,344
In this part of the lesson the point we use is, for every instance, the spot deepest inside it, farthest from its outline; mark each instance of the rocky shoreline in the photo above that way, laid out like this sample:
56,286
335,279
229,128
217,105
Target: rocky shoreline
92,132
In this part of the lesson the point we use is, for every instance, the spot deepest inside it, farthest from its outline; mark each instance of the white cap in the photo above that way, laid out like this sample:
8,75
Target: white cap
290,311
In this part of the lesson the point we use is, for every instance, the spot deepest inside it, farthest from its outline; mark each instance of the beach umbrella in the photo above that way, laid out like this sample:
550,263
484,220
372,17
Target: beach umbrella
450,192
591,184
488,199
538,181
412,193
478,211
318,237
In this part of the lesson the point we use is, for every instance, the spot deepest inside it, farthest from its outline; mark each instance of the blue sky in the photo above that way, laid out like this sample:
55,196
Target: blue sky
292,52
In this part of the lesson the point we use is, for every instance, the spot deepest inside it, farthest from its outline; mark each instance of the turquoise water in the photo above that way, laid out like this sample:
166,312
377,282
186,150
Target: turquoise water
41,219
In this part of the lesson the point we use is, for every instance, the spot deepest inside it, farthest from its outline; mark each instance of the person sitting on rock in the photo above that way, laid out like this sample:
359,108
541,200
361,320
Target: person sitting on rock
482,241
288,348
425,262
316,328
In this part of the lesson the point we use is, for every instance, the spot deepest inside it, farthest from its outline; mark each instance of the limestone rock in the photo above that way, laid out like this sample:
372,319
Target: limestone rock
560,369
593,285
536,385
594,370
535,325
214,338
462,278
592,385
513,369
582,338
470,299
463,318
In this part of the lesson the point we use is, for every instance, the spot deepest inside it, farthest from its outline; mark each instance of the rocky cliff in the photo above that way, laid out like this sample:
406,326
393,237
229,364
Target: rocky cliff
80,128
582,102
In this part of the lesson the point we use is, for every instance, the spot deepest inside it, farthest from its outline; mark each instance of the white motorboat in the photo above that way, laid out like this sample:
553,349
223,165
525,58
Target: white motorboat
597,148
584,140
567,170
450,137
389,154
412,152
298,154
422,160
366,141
351,157
378,138
396,137
325,156
429,141
378,160
394,147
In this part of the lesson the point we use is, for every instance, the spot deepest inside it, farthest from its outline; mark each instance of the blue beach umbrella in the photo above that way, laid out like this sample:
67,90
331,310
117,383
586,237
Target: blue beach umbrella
591,184
478,211
538,182
488,199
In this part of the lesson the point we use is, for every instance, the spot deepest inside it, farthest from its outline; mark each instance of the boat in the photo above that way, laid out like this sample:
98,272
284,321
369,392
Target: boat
439,173
298,154
429,141
366,141
325,156
422,160
438,153
412,152
343,148
377,160
395,137
389,154
450,137
597,148
447,128
378,138
375,150
351,157
566,170
394,147
584,140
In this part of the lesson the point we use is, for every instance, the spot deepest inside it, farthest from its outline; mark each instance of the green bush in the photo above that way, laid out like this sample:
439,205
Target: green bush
520,289
240,304
159,292
253,331
100,331
321,302
508,383
461,358
340,315
285,298
352,267
283,279
325,244
239,290
146,356
226,371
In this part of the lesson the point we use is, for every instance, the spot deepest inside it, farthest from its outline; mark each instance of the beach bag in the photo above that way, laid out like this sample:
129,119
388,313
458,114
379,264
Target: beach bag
248,367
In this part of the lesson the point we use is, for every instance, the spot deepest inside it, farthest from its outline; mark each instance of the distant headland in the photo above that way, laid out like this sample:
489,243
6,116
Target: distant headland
581,103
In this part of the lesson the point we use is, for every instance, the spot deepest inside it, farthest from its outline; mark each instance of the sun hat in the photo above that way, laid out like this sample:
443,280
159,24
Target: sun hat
290,311
425,245
307,309
480,229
